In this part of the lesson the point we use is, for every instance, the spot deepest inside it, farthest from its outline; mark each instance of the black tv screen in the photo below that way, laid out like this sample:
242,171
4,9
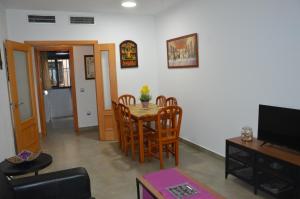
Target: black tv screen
279,126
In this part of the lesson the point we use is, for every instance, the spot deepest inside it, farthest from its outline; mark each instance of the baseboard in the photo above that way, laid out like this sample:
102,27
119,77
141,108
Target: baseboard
202,149
61,117
88,128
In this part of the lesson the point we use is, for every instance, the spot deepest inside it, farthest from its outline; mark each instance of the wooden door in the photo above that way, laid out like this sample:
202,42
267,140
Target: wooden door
106,87
23,100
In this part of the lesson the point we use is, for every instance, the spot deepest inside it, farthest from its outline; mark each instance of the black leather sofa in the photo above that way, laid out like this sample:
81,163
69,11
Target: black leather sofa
66,184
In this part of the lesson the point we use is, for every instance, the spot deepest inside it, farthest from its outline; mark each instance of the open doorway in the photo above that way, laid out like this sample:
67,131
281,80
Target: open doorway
56,88
55,75
104,84
55,71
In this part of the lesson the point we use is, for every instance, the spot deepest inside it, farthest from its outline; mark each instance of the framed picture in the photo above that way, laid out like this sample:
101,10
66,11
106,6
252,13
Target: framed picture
182,52
1,63
128,54
89,66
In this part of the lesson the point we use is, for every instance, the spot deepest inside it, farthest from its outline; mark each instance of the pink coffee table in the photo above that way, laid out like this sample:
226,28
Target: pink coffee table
155,185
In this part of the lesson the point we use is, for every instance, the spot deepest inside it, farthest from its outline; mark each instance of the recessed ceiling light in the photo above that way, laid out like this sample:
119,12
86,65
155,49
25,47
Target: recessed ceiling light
128,3
62,53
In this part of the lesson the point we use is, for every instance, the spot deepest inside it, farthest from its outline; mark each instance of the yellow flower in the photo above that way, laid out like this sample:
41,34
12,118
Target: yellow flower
145,90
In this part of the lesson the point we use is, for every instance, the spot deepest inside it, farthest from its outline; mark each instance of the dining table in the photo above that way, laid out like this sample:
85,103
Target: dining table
143,115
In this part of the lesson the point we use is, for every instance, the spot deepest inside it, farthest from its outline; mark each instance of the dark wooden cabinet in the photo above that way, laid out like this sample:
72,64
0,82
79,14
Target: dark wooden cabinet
267,168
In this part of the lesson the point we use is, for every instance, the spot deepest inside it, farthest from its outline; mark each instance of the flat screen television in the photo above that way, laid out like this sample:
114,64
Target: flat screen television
279,126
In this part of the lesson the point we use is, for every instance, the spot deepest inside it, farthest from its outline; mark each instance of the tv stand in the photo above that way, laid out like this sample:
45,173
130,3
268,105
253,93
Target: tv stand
266,168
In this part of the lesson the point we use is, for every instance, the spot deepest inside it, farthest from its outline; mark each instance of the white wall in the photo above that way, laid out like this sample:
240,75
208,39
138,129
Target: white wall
249,55
85,89
58,103
6,133
109,28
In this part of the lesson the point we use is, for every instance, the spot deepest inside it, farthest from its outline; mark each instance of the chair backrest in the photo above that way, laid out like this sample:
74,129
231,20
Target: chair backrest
125,118
169,122
6,190
127,100
161,101
171,101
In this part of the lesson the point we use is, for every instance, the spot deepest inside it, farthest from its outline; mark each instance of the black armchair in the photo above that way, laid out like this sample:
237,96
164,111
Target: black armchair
66,184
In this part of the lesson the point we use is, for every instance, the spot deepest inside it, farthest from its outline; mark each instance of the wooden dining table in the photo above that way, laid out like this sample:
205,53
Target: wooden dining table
142,115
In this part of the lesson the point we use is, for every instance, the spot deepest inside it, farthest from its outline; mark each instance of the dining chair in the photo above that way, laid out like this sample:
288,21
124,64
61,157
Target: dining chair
171,101
130,136
161,101
127,100
166,137
117,120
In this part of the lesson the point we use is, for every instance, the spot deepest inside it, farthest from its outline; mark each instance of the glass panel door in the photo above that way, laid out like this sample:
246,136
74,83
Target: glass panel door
106,79
23,88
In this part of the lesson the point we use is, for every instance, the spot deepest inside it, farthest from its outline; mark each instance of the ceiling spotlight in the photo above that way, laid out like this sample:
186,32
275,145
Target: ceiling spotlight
128,3
62,53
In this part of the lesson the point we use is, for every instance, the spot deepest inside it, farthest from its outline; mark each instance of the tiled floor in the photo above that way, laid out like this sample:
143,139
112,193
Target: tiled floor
113,174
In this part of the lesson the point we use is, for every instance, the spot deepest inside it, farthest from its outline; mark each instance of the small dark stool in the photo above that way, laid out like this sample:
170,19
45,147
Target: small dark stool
9,169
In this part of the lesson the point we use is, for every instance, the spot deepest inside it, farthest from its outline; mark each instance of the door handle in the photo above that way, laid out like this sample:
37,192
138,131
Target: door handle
45,92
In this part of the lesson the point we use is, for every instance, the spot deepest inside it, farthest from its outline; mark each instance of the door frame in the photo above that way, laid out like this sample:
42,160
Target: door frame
98,69
39,81
58,44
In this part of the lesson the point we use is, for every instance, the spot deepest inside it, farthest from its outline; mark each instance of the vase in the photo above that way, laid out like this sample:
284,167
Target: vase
145,104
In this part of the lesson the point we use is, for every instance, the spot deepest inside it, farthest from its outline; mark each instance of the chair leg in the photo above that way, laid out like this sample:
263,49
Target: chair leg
149,147
176,153
123,143
161,156
120,140
132,147
167,150
126,146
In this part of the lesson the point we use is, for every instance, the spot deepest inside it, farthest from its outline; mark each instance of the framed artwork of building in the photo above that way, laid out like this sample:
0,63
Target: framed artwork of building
182,52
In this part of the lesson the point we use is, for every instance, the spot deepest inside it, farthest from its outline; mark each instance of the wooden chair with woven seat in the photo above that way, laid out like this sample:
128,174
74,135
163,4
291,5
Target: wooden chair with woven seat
117,120
166,137
127,100
130,136
171,101
161,101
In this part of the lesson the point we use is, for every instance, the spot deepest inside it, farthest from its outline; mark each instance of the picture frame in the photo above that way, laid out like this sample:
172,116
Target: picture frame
89,66
1,62
182,52
128,54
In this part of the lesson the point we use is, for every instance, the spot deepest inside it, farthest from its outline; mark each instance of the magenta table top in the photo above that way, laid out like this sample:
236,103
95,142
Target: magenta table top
163,179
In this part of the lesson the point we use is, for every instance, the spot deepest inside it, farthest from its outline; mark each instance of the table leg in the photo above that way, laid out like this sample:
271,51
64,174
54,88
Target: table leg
141,140
138,189
36,173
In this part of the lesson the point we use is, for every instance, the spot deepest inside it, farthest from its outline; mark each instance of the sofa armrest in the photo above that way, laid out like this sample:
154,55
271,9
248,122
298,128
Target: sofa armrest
66,184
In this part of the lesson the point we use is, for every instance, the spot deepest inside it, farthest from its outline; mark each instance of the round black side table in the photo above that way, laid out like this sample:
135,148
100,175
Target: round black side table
40,163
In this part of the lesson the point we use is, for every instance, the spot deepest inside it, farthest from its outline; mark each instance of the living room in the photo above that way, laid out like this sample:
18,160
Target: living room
248,55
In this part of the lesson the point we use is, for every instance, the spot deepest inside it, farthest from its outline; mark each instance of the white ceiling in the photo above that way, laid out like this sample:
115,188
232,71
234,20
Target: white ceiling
145,7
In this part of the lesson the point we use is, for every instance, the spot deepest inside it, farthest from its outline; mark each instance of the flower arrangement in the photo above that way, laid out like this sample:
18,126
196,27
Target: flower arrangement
145,94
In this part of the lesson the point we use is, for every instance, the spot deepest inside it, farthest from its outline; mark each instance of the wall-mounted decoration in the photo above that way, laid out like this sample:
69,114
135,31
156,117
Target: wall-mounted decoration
128,54
1,63
183,51
89,67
